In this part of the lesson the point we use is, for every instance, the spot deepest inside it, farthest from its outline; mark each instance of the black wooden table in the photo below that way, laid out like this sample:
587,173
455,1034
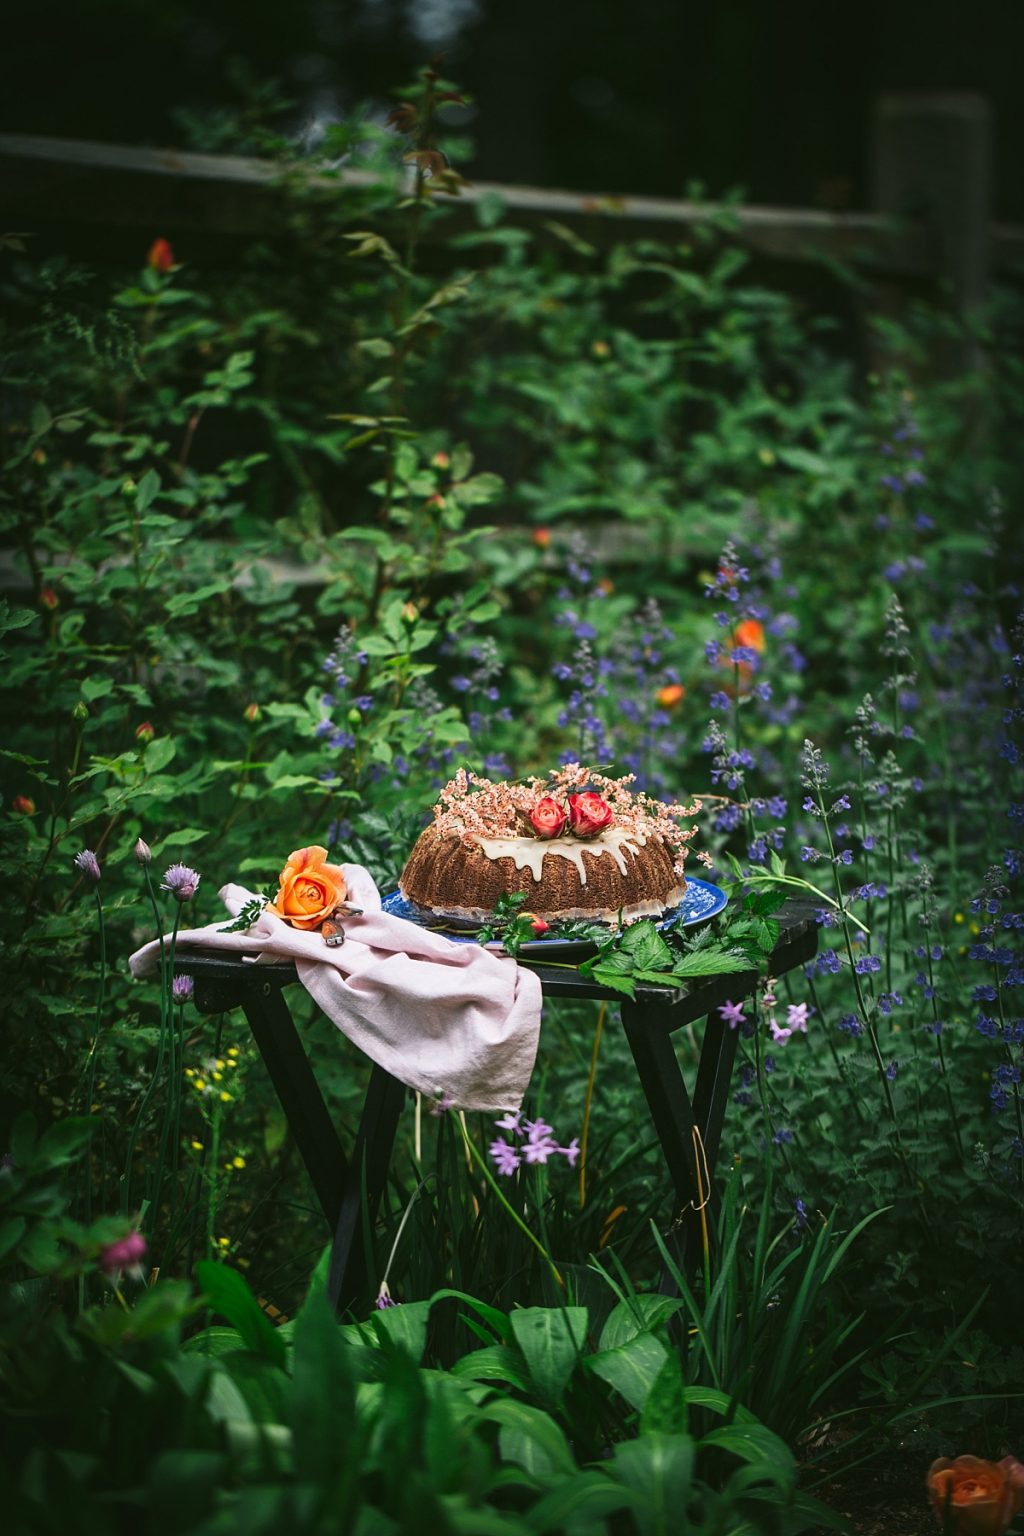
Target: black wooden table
349,1187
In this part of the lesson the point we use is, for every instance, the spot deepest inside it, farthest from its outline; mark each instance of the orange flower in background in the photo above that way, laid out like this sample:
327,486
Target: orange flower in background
309,888
750,633
671,695
23,805
542,537
161,256
981,1497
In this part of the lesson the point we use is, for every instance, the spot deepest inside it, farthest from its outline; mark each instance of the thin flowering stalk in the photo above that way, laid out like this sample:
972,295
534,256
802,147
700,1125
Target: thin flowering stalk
90,1074
814,777
482,1165
161,1050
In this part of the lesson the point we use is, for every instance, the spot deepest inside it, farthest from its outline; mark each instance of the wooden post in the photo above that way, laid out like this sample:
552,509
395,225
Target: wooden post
931,158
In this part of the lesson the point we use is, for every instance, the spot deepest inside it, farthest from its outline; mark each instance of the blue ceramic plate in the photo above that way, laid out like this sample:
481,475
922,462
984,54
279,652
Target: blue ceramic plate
701,902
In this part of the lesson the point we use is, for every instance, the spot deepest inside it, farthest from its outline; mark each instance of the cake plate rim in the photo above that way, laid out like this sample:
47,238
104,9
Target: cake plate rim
705,899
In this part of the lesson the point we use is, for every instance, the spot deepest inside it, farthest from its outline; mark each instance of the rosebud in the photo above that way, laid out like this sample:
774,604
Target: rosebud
128,489
49,598
440,460
671,695
143,853
144,732
38,456
80,711
606,585
23,805
410,613
161,256
542,537
601,349
252,713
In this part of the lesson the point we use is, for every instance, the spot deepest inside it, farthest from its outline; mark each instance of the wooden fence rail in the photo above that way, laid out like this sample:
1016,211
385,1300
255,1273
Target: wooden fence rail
931,177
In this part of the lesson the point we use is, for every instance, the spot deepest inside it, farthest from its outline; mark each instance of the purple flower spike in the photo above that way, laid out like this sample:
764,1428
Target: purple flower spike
89,864
182,988
181,881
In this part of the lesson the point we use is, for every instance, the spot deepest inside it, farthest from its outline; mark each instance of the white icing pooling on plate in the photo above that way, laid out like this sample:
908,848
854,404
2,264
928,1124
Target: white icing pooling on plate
528,852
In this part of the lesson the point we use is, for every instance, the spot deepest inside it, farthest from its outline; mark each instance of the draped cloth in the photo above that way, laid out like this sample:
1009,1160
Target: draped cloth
450,1020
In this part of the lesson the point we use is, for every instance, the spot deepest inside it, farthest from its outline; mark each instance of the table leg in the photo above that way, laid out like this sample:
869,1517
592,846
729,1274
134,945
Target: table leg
295,1084
364,1185
714,1074
650,1041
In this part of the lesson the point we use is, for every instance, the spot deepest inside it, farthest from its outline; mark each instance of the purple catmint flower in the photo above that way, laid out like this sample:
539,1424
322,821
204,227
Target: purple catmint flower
182,988
181,881
89,864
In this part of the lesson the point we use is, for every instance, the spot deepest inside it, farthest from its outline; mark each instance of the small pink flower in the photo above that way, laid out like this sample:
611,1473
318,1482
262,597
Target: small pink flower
123,1256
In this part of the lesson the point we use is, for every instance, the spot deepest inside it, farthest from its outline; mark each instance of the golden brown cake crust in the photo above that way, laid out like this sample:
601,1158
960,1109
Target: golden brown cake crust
450,875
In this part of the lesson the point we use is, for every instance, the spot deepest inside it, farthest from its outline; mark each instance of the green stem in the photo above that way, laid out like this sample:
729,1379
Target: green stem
475,1154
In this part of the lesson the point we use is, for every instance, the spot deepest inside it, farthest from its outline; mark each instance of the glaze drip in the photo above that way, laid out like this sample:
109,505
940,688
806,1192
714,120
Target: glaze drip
528,852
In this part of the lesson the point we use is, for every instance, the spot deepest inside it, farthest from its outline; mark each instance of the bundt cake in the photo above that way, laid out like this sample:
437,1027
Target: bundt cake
577,844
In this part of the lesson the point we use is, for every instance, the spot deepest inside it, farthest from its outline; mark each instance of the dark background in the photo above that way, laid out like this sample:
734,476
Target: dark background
640,96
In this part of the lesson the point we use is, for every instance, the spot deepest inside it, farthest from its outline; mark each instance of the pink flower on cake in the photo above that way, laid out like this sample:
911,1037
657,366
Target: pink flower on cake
548,818
589,814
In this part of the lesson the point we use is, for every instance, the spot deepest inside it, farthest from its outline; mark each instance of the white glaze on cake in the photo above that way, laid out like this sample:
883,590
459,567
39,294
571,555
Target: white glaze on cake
529,852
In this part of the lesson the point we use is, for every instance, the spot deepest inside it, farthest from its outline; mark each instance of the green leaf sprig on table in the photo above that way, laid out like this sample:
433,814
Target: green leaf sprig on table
641,953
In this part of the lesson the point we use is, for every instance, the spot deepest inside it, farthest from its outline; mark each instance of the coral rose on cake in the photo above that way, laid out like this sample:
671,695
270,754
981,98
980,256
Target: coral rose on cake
589,814
981,1497
547,817
309,888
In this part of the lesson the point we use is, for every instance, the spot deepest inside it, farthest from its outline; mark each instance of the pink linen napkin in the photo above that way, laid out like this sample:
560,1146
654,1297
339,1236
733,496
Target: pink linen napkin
446,1019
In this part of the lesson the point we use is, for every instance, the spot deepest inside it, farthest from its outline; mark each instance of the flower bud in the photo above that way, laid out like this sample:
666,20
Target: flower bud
89,864
252,713
161,256
49,598
410,614
542,537
440,460
144,733
143,853
80,711
23,805
129,489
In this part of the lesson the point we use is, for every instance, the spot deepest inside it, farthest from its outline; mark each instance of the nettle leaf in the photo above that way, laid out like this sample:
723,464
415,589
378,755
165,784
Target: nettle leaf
712,963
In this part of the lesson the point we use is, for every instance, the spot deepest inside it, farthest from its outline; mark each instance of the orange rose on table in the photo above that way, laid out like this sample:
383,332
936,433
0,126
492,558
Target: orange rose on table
982,1496
589,814
310,888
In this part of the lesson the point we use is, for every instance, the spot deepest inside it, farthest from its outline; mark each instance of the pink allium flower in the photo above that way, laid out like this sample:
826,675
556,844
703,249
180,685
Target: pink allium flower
181,881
